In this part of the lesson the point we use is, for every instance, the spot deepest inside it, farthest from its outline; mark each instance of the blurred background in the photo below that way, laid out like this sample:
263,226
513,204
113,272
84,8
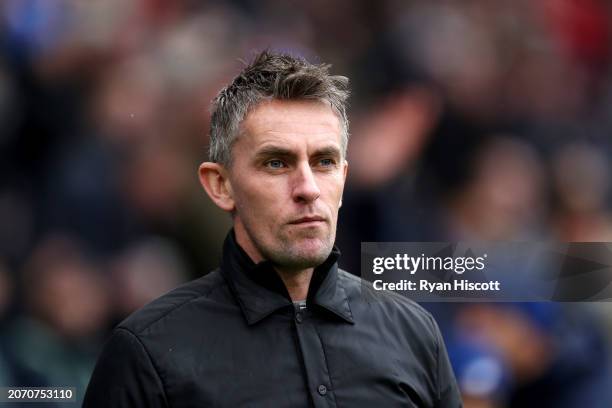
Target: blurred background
471,120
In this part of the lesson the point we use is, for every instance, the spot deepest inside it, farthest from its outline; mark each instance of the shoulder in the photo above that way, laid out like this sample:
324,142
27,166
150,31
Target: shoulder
399,310
177,304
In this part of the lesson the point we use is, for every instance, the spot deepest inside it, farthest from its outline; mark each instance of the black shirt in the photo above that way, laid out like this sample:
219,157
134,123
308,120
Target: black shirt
233,338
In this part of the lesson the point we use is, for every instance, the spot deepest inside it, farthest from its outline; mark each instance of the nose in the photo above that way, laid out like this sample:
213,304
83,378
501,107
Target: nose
305,188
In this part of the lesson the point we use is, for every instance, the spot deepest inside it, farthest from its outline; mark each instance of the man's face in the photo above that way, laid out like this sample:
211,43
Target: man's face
287,177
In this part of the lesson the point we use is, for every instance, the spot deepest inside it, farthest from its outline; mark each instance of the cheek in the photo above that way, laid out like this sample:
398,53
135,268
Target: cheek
334,186
261,200
333,193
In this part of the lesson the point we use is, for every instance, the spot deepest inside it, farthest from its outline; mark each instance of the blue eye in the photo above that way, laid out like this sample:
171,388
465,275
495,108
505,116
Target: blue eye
275,164
326,162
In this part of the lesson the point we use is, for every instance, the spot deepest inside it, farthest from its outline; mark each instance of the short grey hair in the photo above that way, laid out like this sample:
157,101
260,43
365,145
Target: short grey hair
272,76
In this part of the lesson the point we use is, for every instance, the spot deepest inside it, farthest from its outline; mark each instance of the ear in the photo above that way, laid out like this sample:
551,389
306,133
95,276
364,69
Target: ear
214,178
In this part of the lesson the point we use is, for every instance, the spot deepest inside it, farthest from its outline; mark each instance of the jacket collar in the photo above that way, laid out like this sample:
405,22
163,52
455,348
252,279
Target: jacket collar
260,291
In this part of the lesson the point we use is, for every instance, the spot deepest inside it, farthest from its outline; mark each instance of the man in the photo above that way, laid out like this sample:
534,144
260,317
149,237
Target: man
278,324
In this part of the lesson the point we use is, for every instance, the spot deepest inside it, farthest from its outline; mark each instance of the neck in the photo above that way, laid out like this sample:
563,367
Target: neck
297,282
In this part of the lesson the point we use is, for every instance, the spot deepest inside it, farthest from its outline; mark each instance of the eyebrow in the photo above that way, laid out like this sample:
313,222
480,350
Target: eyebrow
328,151
273,151
279,151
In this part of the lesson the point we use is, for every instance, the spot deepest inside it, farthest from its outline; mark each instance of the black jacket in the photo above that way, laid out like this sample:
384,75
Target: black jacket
233,338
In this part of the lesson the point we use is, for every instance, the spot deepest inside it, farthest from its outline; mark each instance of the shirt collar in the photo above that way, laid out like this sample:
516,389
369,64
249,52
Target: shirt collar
260,291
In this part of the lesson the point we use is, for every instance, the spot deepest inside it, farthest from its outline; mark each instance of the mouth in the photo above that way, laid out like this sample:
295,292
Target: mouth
308,221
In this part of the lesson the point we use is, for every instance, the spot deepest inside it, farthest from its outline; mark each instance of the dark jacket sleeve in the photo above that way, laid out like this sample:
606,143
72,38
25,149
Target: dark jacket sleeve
448,391
124,376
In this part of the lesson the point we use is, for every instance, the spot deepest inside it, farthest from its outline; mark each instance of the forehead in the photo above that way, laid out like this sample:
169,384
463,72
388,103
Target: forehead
292,123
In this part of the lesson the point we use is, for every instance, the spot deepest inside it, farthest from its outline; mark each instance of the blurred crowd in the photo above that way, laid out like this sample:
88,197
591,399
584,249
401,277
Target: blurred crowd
470,120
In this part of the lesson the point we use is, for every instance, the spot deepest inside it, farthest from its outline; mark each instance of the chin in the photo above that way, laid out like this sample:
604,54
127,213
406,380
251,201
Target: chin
314,252
307,253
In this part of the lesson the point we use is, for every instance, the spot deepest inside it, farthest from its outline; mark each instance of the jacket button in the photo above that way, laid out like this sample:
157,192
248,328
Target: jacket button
299,318
322,389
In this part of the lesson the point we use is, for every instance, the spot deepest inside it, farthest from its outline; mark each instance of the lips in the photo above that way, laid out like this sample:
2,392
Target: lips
309,219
